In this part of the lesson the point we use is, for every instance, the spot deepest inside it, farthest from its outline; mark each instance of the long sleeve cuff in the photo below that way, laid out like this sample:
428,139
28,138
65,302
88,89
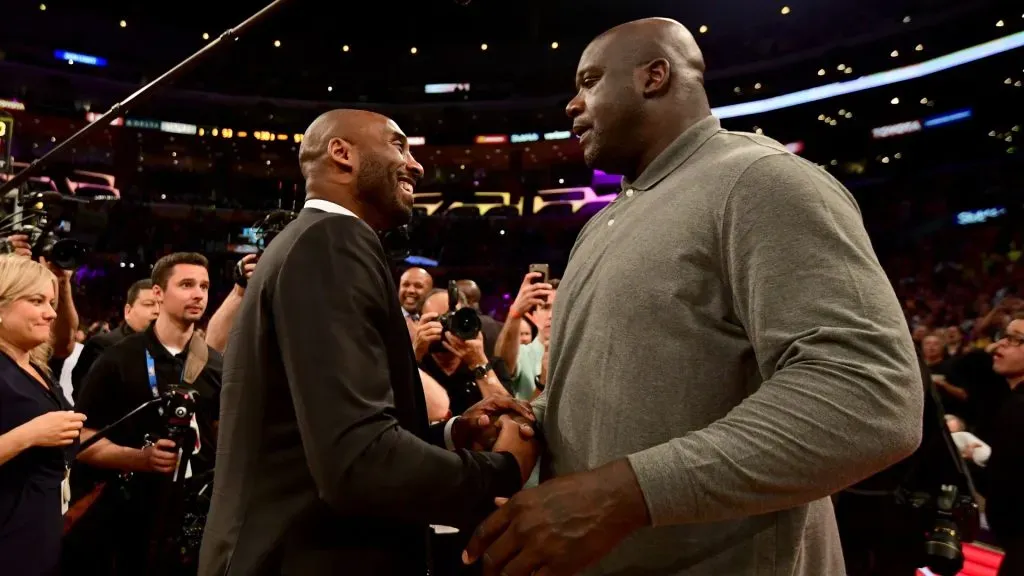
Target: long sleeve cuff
448,442
665,483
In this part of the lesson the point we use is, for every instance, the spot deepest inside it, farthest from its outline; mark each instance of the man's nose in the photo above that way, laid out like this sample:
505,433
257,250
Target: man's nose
575,107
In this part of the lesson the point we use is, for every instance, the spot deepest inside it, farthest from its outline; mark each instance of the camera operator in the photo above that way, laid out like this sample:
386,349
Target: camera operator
140,309
489,326
134,371
460,366
219,328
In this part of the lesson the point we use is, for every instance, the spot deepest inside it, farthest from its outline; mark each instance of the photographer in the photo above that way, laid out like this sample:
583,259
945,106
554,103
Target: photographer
134,371
459,366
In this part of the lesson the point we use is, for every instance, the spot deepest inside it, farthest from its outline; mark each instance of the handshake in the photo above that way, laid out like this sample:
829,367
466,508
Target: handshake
499,424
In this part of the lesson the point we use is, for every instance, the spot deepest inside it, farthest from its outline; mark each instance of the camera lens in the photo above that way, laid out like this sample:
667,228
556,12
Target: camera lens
942,549
68,254
465,323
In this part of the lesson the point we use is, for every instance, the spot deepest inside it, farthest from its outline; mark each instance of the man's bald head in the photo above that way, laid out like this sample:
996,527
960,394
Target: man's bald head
349,125
640,42
472,292
640,85
360,160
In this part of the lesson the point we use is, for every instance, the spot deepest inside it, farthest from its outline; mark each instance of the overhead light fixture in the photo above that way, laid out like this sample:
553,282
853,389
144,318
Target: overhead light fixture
554,45
906,19
849,115
919,47
894,53
277,43
785,10
483,47
703,29
821,72
206,36
842,112
849,70
1000,24
345,48
413,50
885,160
898,156
1008,81
821,117
841,67
123,24
924,101
894,101
330,88
737,90
757,86
758,131
42,7
833,122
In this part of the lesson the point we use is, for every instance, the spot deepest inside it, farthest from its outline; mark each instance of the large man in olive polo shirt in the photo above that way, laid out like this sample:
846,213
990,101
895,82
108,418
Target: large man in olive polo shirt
726,352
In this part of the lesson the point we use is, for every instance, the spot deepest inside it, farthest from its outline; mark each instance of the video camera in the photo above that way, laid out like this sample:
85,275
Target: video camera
60,228
264,231
464,322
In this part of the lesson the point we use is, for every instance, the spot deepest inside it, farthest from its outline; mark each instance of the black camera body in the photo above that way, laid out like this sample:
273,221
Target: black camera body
463,323
946,520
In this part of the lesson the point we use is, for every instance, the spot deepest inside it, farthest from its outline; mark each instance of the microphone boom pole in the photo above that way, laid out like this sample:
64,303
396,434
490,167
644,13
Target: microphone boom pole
146,91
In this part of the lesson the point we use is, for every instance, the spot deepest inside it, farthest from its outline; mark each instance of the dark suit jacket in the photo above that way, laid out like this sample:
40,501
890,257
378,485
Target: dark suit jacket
325,462
91,351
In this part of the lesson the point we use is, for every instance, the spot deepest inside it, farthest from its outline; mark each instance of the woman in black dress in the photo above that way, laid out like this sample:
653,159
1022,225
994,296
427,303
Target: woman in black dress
37,429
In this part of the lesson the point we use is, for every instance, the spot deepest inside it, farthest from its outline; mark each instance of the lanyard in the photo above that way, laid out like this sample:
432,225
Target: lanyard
151,372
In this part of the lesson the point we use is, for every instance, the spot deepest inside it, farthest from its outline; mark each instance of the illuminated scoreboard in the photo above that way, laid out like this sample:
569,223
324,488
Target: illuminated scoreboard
6,133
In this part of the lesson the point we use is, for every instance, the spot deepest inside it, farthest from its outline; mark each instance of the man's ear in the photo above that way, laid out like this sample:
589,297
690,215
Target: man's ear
158,293
655,76
343,153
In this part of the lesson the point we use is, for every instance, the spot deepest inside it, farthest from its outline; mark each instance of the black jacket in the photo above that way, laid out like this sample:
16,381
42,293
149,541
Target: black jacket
91,351
325,462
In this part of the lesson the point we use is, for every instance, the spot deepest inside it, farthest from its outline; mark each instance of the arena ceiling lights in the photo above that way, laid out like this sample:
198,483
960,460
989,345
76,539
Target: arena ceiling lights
959,58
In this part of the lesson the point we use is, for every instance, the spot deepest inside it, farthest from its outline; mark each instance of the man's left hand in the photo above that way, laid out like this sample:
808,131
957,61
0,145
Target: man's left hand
562,526
476,429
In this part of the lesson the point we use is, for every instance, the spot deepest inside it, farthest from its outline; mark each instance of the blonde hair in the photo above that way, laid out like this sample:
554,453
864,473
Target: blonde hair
21,277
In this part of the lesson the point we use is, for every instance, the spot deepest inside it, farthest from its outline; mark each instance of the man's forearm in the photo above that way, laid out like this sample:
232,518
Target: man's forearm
507,346
106,454
62,333
220,324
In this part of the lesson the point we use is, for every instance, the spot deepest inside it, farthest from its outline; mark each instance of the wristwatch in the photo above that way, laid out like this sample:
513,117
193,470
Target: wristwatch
480,371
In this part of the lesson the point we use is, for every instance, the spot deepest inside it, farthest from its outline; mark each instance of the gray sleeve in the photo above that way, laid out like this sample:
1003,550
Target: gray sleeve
841,396
539,406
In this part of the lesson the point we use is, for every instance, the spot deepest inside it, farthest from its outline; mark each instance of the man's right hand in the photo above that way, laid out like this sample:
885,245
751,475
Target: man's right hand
161,457
19,244
428,331
530,295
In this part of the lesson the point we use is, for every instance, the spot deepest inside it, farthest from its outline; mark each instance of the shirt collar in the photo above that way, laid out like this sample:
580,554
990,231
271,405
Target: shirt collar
678,152
328,206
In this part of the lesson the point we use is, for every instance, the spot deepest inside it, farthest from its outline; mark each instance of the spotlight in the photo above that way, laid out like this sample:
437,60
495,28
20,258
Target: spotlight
554,45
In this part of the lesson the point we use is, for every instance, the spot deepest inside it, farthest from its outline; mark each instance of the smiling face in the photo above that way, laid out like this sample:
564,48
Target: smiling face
25,321
387,173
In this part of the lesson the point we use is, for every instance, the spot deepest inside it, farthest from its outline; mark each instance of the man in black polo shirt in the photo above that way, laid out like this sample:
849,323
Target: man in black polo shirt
129,374
140,310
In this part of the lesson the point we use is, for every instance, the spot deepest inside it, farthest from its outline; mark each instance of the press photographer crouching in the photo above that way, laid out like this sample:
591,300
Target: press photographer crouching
449,347
130,480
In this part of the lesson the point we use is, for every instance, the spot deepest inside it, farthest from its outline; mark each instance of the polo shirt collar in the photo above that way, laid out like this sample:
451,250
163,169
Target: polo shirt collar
678,152
156,348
